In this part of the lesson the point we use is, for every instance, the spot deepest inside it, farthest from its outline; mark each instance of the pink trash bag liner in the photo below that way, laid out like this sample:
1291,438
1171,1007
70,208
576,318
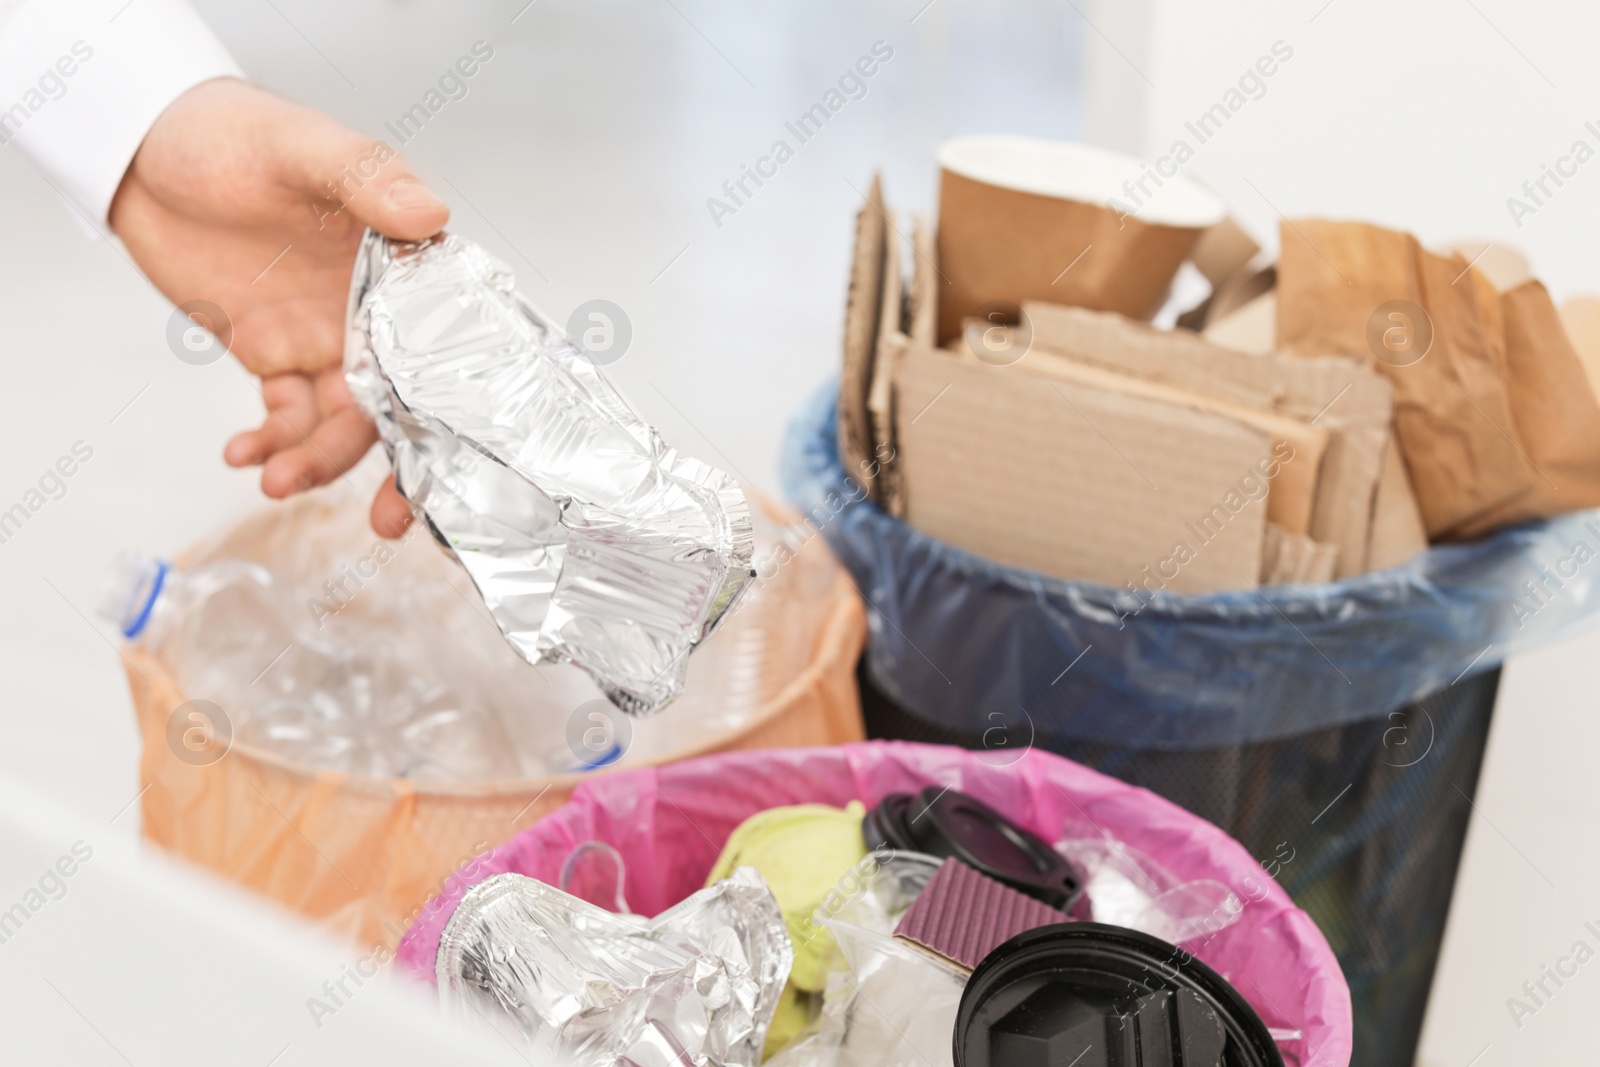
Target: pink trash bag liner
669,823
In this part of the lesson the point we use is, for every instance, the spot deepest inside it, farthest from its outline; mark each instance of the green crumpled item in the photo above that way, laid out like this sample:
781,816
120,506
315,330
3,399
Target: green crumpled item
804,852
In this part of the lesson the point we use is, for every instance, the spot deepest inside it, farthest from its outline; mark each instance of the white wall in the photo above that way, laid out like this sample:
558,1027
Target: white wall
1425,115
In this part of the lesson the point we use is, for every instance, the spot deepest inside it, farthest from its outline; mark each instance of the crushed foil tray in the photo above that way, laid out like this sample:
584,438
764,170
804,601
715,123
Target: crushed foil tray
590,540
696,986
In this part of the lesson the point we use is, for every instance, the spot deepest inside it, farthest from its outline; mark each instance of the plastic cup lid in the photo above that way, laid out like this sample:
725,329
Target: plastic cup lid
1092,995
885,825
947,823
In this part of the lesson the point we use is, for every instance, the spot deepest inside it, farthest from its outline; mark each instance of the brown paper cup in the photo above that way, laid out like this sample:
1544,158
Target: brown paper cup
1023,219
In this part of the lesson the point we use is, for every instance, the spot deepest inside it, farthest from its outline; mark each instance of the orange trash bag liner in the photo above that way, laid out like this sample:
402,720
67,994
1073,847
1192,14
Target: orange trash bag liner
364,855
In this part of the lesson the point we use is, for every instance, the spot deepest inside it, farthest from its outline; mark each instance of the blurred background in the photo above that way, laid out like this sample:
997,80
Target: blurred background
585,151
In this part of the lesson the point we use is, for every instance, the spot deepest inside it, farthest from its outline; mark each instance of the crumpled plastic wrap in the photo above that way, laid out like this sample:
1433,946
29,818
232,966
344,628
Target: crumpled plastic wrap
1126,887
893,1002
590,540
696,986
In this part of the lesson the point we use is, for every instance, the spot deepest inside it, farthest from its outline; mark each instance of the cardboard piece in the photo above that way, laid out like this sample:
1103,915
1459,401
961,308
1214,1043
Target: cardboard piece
1223,251
1252,328
1353,403
1288,558
1452,406
887,344
1581,317
1397,531
1077,481
1240,290
890,342
1022,219
1556,415
863,306
924,284
1292,493
1228,296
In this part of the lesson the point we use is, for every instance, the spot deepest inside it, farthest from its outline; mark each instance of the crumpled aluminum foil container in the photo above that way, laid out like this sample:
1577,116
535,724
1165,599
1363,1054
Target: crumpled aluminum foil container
589,539
696,986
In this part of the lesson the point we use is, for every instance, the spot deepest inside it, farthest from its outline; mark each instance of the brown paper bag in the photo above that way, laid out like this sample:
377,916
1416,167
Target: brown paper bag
1557,417
1340,282
1581,316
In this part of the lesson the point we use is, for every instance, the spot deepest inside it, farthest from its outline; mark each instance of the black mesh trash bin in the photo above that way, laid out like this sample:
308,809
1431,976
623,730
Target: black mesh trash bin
1337,730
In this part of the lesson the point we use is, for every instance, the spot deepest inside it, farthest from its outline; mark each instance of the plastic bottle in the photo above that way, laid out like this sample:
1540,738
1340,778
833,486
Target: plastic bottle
366,706
222,629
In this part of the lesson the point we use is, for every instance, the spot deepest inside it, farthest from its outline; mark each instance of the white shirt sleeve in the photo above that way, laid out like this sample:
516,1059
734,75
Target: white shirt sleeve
82,82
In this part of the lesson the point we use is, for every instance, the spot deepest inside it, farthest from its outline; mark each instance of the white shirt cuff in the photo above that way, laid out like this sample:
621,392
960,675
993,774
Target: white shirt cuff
82,82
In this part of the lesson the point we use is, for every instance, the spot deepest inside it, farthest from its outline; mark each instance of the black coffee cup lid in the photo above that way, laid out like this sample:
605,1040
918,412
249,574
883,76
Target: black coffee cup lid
885,824
1092,995
946,823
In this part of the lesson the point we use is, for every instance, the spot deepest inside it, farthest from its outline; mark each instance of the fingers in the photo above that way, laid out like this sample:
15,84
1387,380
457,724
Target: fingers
292,413
312,434
333,447
296,333
368,177
391,514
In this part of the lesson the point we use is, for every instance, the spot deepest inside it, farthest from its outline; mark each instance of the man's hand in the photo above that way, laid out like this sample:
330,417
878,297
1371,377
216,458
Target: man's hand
257,205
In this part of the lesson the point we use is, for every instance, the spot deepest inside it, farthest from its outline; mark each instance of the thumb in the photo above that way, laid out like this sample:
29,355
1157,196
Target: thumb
397,203
367,178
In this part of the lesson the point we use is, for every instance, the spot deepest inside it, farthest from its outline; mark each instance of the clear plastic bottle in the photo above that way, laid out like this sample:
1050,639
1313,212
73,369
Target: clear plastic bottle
222,629
371,705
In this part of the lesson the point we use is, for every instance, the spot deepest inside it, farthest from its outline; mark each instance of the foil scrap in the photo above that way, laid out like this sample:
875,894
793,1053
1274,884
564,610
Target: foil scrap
590,540
696,986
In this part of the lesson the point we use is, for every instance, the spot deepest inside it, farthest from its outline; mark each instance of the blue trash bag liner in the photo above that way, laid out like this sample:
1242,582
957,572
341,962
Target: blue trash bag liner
1336,730
952,630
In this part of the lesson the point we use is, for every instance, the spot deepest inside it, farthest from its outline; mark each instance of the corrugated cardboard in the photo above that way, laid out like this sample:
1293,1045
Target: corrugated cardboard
891,338
1240,289
1076,481
890,342
1228,296
924,284
1452,407
1252,328
1341,395
1289,558
1397,530
1223,251
862,308
1292,495
999,243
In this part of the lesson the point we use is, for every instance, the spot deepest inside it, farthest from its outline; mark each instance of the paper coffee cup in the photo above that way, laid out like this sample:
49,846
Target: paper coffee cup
1026,219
